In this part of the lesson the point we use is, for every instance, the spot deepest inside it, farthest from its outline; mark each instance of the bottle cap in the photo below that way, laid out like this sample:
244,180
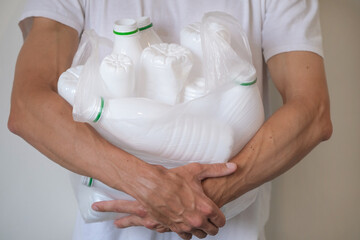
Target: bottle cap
125,26
144,23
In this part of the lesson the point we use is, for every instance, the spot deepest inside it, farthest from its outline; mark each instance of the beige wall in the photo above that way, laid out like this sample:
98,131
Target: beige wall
317,199
36,201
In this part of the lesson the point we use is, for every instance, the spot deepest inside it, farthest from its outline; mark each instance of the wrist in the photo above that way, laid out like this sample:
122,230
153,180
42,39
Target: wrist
214,188
117,168
143,179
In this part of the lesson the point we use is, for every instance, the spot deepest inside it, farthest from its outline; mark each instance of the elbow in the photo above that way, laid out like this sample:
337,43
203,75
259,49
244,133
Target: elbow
327,129
13,124
15,120
324,122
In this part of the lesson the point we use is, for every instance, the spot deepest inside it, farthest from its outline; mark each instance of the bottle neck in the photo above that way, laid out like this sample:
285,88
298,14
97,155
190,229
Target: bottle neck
146,27
98,109
128,45
126,33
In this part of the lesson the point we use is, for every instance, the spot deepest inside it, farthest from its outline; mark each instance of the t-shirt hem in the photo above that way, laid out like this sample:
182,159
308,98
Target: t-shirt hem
290,48
53,16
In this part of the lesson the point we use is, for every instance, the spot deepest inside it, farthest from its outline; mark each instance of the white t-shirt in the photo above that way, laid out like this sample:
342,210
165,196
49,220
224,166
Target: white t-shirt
272,27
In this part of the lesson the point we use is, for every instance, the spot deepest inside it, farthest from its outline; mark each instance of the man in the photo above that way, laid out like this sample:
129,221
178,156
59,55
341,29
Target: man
285,35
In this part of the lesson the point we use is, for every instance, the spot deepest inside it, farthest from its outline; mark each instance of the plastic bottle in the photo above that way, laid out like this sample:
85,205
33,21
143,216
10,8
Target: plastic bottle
67,83
190,38
148,35
164,71
118,69
153,132
194,90
127,39
118,74
87,194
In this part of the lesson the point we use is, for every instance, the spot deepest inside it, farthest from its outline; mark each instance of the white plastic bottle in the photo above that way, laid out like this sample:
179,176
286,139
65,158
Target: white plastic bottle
127,39
164,71
88,191
148,36
190,38
67,83
118,74
155,133
194,89
118,69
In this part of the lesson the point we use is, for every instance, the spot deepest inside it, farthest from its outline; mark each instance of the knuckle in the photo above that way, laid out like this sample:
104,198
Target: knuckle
150,224
196,221
207,209
141,212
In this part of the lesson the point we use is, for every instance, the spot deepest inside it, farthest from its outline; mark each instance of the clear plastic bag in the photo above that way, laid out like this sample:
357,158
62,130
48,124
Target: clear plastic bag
209,129
226,50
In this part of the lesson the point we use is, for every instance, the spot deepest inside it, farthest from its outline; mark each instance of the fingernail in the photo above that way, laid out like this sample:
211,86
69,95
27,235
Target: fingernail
231,165
94,207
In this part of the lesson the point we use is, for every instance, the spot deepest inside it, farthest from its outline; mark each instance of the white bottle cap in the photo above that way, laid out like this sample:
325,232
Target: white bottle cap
144,23
125,26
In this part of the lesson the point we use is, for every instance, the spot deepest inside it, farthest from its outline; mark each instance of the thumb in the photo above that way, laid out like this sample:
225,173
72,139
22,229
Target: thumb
217,170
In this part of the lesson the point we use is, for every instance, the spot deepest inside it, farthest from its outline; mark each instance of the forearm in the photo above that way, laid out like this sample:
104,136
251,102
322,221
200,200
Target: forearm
287,136
280,143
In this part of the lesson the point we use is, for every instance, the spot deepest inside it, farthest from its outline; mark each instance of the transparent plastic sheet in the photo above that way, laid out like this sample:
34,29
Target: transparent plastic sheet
90,85
227,54
223,120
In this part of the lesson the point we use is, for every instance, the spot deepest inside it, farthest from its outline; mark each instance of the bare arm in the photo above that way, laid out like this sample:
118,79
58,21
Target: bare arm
289,134
41,117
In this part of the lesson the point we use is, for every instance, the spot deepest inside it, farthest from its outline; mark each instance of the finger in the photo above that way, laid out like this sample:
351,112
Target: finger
132,220
216,170
212,213
210,228
163,229
186,236
128,221
218,219
120,206
199,233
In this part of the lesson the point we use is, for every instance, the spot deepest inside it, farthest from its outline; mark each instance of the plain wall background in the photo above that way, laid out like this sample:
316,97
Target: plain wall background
317,199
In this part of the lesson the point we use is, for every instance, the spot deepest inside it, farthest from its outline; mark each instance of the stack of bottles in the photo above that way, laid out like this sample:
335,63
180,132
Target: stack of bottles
153,100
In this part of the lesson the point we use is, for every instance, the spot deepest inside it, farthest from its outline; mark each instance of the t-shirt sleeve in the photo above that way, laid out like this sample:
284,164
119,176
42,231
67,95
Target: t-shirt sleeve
67,12
291,25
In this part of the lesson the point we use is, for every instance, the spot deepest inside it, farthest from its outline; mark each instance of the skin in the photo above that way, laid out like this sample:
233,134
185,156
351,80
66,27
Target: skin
173,198
284,139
